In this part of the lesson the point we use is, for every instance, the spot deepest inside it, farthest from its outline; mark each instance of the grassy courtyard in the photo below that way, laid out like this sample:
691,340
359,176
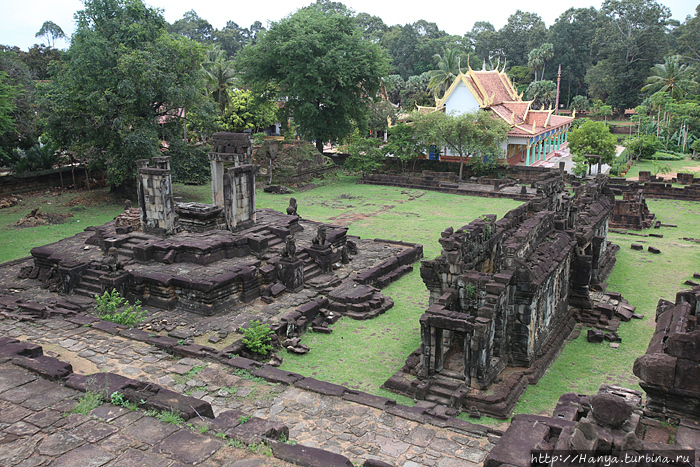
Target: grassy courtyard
363,354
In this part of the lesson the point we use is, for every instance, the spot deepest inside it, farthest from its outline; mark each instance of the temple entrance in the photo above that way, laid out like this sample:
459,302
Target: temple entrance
455,359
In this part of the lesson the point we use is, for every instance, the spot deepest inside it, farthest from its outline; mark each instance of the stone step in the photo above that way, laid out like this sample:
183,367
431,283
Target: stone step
440,391
87,291
449,383
437,399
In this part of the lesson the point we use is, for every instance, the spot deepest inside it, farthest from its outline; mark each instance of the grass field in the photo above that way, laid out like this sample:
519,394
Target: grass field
363,354
676,166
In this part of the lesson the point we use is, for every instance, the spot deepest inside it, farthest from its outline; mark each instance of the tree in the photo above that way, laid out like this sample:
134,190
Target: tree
523,32
539,57
542,93
689,37
404,144
193,27
219,75
320,63
19,94
365,155
630,37
579,103
671,77
245,112
122,73
7,107
474,134
643,146
593,138
448,66
51,31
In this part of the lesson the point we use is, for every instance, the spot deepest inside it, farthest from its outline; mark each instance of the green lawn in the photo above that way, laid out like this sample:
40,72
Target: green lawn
363,354
676,166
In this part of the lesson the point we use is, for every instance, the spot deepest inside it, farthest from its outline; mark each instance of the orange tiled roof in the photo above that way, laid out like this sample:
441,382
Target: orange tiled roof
494,91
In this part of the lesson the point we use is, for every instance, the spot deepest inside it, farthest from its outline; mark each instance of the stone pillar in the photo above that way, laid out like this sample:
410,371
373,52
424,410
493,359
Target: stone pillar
155,194
290,272
239,196
217,181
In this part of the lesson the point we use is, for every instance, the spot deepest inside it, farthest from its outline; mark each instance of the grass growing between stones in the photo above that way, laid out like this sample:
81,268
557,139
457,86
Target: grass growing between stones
642,278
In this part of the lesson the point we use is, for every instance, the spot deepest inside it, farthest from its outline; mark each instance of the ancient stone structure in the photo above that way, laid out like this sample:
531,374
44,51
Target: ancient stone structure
198,217
155,195
500,296
609,423
631,212
670,368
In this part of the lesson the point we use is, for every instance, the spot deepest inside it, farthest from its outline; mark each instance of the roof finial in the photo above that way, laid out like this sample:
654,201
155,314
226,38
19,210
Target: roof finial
573,114
483,67
469,67
505,60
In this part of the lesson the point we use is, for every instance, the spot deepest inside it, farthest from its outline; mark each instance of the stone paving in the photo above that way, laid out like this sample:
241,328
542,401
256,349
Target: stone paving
37,428
331,423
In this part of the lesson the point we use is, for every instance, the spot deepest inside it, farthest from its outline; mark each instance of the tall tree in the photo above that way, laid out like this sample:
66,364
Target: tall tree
320,63
448,66
523,32
122,72
21,92
7,107
51,31
689,37
192,26
219,75
631,37
572,35
672,77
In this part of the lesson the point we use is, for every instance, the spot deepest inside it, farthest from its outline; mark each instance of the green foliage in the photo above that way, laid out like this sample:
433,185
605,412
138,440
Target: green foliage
672,77
520,75
245,111
580,168
51,31
642,146
542,93
448,66
593,138
468,134
324,67
404,144
121,74
365,155
190,162
244,418
661,167
172,416
118,399
580,103
109,304
245,374
87,403
257,337
7,106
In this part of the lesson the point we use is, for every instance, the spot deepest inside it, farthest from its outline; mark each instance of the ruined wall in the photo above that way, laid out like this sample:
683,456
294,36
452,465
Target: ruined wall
155,196
670,368
499,292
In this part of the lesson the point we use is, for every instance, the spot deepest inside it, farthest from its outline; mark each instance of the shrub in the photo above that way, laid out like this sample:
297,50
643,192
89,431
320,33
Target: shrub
108,306
257,337
643,146
87,403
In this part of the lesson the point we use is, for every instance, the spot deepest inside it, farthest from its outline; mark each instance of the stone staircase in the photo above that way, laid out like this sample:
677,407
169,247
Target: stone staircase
127,248
311,269
89,284
443,389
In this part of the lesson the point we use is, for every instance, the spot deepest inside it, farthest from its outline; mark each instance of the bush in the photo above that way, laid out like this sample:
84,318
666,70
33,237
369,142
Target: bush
108,306
667,156
642,146
257,338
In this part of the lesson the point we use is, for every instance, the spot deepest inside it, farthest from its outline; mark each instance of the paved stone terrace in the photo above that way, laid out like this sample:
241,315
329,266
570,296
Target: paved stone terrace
331,423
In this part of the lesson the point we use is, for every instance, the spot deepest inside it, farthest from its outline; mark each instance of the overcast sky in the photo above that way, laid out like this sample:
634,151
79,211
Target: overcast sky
20,21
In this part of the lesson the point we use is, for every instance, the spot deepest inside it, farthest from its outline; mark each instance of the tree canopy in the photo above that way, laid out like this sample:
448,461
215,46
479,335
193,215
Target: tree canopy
323,69
122,72
593,138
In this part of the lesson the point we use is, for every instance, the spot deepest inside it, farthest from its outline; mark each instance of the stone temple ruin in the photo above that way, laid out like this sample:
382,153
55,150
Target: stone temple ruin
503,295
206,258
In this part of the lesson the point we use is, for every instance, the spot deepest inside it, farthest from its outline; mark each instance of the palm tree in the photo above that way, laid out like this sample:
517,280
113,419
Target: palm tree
539,57
219,74
671,77
448,68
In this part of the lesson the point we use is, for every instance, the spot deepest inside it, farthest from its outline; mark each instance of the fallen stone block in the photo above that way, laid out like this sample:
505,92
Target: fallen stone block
275,375
656,235
307,456
189,407
48,367
375,463
654,250
637,246
253,430
595,336
20,349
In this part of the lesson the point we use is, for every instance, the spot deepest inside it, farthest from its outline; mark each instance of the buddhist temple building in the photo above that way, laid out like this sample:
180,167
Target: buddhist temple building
533,134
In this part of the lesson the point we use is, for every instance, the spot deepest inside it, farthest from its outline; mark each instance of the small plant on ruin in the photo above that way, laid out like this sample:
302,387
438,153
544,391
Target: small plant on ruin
244,418
109,304
87,403
171,416
257,338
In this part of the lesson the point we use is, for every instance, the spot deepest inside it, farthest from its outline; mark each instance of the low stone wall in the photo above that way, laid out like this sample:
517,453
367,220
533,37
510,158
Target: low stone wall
658,189
35,181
